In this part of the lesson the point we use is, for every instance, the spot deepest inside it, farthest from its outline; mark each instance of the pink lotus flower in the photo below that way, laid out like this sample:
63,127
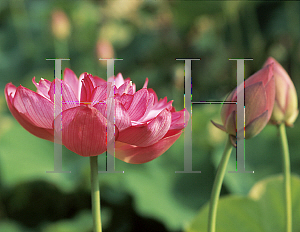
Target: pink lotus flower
286,101
145,126
259,101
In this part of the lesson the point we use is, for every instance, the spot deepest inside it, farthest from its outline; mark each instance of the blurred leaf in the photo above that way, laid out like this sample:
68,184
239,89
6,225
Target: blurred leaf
81,223
11,226
23,157
261,211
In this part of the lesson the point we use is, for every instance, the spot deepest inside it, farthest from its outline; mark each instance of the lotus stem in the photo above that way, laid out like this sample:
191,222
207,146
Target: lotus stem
215,194
95,192
287,177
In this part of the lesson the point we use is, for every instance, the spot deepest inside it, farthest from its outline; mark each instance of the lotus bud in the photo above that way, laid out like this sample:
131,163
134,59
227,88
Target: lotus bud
259,101
286,102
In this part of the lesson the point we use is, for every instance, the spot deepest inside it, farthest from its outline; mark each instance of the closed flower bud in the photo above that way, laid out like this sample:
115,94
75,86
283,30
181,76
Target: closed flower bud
259,101
286,103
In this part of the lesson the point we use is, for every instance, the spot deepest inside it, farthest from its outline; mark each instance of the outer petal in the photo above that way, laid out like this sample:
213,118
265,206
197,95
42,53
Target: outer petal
37,109
71,79
22,119
179,119
255,101
231,124
256,126
270,94
42,87
84,131
263,75
138,155
148,134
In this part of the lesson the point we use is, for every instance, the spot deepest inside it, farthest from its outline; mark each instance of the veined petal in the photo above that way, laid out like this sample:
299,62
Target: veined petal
180,119
69,99
151,91
71,79
122,118
138,105
255,101
156,109
38,109
97,81
84,131
138,155
148,134
270,94
22,118
126,100
263,75
99,94
86,89
256,126
42,87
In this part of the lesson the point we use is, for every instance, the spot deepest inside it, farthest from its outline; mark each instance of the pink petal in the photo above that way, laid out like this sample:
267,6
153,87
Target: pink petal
84,131
231,124
228,108
147,134
99,94
117,81
124,88
42,87
122,118
97,80
71,79
180,119
270,93
86,89
156,109
138,105
68,97
256,126
138,155
151,91
38,110
146,83
263,75
126,100
255,101
42,133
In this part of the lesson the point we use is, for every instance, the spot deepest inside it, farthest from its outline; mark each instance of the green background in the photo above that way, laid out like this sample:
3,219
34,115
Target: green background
148,36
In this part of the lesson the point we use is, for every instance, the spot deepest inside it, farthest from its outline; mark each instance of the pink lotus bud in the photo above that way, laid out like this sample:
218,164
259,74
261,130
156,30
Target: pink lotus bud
145,126
60,25
259,101
286,102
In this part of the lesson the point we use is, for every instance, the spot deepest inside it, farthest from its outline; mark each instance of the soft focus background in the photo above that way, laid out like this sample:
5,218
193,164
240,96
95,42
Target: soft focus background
148,36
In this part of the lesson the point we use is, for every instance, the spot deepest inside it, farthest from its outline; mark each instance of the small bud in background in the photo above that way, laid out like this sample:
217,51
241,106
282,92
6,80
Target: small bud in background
286,103
60,25
105,50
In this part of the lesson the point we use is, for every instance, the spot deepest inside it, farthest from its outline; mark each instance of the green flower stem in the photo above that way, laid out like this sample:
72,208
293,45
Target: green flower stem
287,177
215,194
95,194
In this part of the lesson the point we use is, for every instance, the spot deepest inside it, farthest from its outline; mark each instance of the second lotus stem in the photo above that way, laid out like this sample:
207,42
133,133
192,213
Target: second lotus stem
286,178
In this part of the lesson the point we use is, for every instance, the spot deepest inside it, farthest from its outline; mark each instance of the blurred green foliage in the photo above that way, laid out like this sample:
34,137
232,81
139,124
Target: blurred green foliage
148,36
